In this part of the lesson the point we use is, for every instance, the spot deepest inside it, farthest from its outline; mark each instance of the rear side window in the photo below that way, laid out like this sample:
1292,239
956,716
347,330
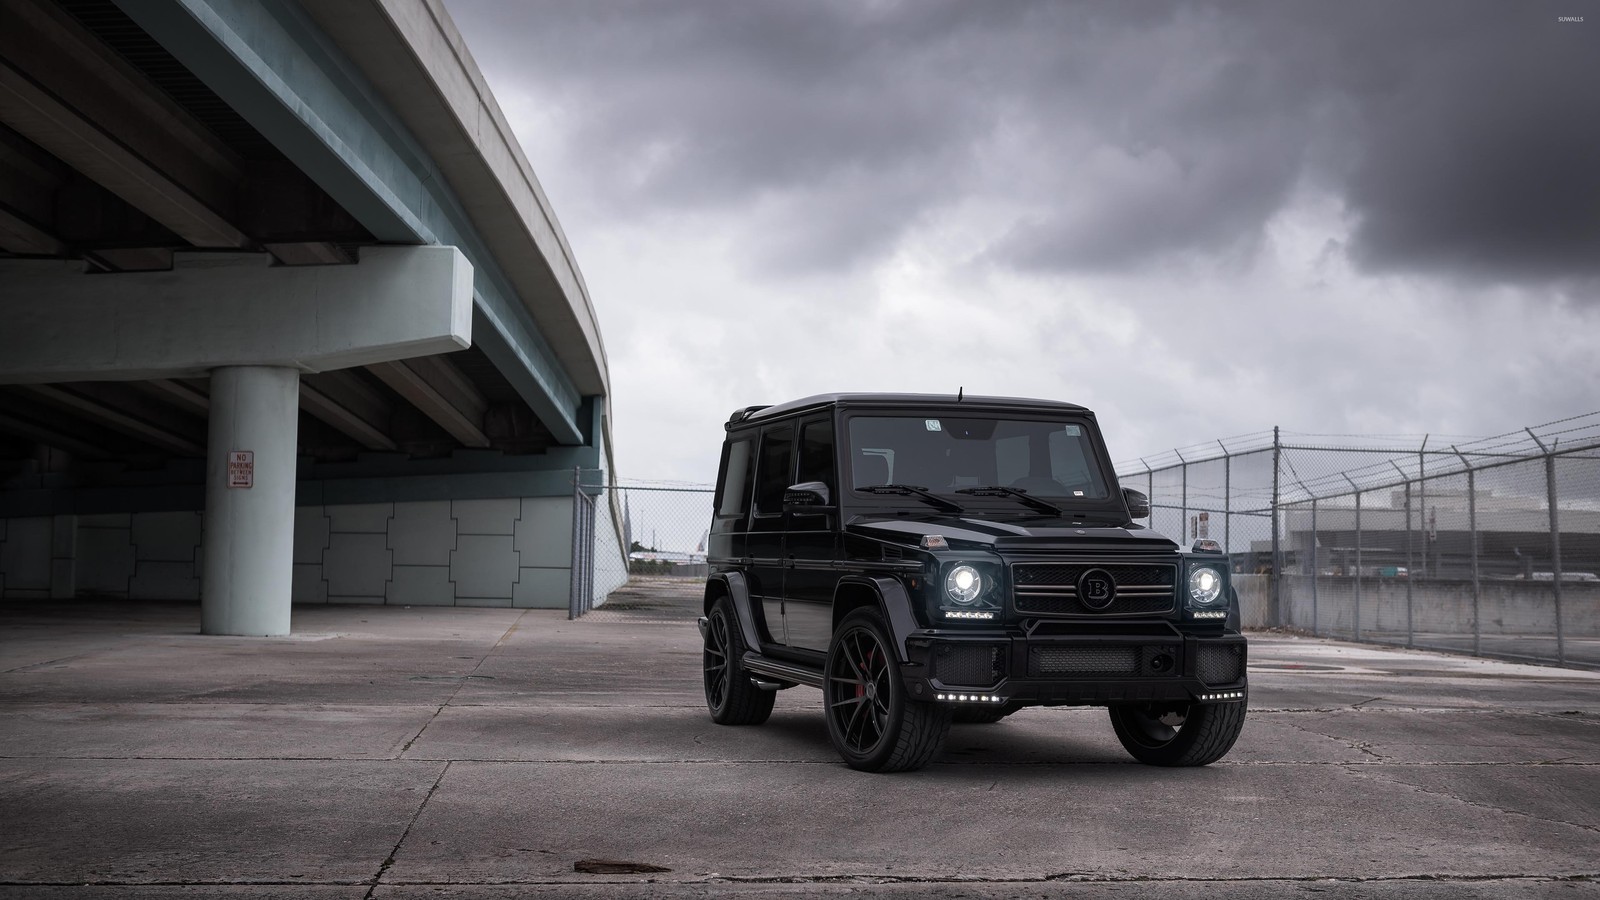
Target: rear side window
816,452
738,475
775,470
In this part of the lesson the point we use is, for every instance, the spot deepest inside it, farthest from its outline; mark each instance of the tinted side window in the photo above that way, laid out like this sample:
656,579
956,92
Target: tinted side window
733,491
816,452
775,469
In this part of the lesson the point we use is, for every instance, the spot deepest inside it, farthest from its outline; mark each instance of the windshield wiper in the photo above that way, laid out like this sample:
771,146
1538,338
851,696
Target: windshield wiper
995,490
911,490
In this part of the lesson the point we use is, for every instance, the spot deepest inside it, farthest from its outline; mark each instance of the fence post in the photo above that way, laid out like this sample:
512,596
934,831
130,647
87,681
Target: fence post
1227,501
1274,589
1356,617
1472,533
1555,542
590,519
1356,621
1410,564
1150,490
1422,508
1555,553
1313,565
575,583
1183,497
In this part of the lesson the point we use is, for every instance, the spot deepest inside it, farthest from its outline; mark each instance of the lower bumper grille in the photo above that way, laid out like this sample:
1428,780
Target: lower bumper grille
1088,660
1220,663
975,665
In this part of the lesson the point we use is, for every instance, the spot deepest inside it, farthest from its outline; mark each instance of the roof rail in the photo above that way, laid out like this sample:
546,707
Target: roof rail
739,415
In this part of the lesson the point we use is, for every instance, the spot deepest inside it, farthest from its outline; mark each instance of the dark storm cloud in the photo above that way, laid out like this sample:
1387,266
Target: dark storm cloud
1461,136
1482,155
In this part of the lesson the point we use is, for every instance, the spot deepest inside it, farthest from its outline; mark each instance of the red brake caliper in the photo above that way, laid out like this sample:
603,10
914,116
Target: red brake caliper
861,686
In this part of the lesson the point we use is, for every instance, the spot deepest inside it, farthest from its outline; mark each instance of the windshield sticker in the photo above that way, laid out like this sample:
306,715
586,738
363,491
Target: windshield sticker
1074,431
1077,493
933,424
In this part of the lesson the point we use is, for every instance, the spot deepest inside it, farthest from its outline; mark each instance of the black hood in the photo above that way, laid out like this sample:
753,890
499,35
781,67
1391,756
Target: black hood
1013,536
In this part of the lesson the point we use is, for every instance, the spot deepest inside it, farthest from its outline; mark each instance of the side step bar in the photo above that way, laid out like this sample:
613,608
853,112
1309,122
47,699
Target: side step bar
755,662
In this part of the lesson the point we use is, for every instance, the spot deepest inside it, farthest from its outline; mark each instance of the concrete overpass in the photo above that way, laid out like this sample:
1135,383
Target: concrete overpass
286,315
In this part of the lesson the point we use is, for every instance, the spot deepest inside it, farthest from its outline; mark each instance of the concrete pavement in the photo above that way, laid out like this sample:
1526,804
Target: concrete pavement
425,752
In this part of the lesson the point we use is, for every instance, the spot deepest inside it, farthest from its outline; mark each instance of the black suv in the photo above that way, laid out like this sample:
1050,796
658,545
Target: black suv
928,559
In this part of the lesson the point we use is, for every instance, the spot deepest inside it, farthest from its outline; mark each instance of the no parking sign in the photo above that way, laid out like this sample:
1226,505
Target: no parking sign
241,468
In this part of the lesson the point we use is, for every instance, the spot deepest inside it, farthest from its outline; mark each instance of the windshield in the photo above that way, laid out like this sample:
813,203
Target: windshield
944,455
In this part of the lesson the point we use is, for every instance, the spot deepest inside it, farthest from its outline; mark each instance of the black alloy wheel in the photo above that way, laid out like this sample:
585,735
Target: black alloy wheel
1177,735
873,725
730,695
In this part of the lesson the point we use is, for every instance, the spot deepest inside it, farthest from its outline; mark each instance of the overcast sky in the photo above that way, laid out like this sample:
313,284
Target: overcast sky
1199,220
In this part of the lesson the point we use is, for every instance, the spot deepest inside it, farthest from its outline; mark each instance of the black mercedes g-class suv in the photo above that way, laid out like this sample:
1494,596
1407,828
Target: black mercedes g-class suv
927,559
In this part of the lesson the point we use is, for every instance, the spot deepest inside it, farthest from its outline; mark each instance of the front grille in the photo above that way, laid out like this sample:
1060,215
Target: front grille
1051,589
1122,660
1220,663
974,665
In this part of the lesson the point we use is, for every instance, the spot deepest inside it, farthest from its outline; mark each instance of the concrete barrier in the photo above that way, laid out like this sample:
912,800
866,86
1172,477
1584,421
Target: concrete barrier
1436,606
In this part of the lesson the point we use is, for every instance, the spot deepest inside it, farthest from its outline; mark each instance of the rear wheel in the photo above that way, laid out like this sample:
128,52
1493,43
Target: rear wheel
1177,734
872,723
731,697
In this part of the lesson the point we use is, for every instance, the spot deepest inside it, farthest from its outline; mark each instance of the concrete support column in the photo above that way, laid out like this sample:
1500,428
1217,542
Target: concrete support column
249,528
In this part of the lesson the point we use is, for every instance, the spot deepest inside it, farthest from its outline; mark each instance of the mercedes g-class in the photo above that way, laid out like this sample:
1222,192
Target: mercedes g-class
927,559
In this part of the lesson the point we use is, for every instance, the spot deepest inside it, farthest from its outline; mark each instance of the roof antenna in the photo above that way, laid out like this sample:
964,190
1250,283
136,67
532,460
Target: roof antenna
959,391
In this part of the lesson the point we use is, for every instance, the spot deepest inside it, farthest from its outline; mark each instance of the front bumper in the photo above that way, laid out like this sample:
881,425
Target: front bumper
1076,670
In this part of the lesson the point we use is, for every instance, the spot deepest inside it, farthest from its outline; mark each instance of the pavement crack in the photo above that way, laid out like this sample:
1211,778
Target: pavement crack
40,665
1389,776
1364,747
383,868
510,630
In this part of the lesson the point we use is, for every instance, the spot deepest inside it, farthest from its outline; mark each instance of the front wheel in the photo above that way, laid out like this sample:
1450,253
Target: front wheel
731,697
1177,734
871,722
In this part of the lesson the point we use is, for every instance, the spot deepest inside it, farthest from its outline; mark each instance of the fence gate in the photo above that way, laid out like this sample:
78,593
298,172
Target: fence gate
580,599
650,536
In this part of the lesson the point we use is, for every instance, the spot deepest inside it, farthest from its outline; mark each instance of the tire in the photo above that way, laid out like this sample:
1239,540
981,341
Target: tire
981,715
1204,736
731,697
873,725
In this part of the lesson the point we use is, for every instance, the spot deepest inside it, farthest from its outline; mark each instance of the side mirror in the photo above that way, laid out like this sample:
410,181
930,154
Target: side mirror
808,498
1138,504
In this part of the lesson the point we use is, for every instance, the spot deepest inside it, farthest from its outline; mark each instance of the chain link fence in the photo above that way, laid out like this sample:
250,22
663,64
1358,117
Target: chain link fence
662,526
1488,546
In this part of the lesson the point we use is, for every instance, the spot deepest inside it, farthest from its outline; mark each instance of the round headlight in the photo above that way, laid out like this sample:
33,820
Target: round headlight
1205,586
963,584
